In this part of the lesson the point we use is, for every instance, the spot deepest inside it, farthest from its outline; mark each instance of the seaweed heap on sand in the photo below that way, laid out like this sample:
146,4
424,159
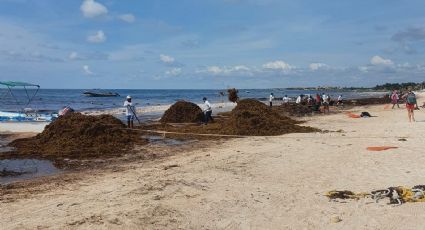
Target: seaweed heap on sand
294,109
369,101
77,136
253,118
249,118
182,112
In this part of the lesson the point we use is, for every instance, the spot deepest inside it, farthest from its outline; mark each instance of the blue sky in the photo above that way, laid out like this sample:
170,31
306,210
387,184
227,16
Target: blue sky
211,43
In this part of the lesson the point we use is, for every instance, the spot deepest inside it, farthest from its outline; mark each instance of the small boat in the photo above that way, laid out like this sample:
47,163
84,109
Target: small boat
23,113
100,94
28,116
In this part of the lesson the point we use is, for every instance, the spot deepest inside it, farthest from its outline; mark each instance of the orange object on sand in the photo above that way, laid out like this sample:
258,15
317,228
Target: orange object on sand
381,148
387,106
352,115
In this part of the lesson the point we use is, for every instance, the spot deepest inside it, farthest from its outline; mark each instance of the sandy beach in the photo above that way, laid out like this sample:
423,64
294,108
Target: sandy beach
158,109
250,183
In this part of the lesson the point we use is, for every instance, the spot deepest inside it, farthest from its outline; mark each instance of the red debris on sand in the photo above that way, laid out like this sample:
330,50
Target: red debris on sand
381,148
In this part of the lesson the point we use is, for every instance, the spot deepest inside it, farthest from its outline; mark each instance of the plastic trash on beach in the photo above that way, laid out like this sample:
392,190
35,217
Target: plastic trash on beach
66,110
381,148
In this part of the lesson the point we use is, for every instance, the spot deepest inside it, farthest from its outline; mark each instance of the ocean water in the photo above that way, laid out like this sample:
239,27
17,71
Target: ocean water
55,99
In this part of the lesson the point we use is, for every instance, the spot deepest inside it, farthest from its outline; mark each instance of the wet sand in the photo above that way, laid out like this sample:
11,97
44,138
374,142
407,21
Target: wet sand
254,182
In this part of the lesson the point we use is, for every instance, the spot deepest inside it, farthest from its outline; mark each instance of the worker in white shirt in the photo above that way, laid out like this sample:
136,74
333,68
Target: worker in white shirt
299,99
339,102
207,111
271,98
285,99
129,111
325,103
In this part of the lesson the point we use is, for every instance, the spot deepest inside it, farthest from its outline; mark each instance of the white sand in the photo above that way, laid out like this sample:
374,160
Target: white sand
251,183
22,127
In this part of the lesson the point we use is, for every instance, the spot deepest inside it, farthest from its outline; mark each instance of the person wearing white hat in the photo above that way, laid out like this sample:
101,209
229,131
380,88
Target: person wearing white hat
129,112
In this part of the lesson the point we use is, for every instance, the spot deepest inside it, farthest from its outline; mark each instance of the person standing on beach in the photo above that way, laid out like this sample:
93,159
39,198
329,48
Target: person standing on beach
325,103
285,99
299,99
207,111
130,112
317,102
411,103
339,102
318,99
310,100
271,98
394,99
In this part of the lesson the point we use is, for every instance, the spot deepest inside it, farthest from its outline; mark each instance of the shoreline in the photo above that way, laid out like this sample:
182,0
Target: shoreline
158,110
276,182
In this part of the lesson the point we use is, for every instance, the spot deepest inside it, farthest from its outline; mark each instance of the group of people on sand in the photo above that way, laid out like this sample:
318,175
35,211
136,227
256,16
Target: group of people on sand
319,100
409,98
316,102
131,114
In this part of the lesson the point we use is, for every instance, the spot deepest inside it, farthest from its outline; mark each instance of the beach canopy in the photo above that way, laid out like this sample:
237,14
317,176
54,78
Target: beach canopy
30,96
17,84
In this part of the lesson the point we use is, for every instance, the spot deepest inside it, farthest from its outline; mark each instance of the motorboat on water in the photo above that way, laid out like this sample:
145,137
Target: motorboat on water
23,112
28,116
98,93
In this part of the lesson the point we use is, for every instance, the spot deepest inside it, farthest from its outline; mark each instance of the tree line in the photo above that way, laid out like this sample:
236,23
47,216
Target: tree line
401,86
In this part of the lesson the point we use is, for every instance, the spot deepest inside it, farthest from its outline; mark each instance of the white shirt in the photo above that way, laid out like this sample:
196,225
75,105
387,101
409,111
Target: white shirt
340,98
285,99
325,98
298,100
129,108
207,106
271,98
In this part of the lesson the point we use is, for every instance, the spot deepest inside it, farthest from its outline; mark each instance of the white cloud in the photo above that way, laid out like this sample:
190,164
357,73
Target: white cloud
130,18
174,71
73,55
377,60
76,56
87,70
225,70
318,66
240,68
99,37
364,69
215,69
91,9
166,59
278,65
405,65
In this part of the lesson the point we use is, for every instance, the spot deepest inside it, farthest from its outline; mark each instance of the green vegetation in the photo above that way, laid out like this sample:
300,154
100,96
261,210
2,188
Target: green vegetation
385,87
400,86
